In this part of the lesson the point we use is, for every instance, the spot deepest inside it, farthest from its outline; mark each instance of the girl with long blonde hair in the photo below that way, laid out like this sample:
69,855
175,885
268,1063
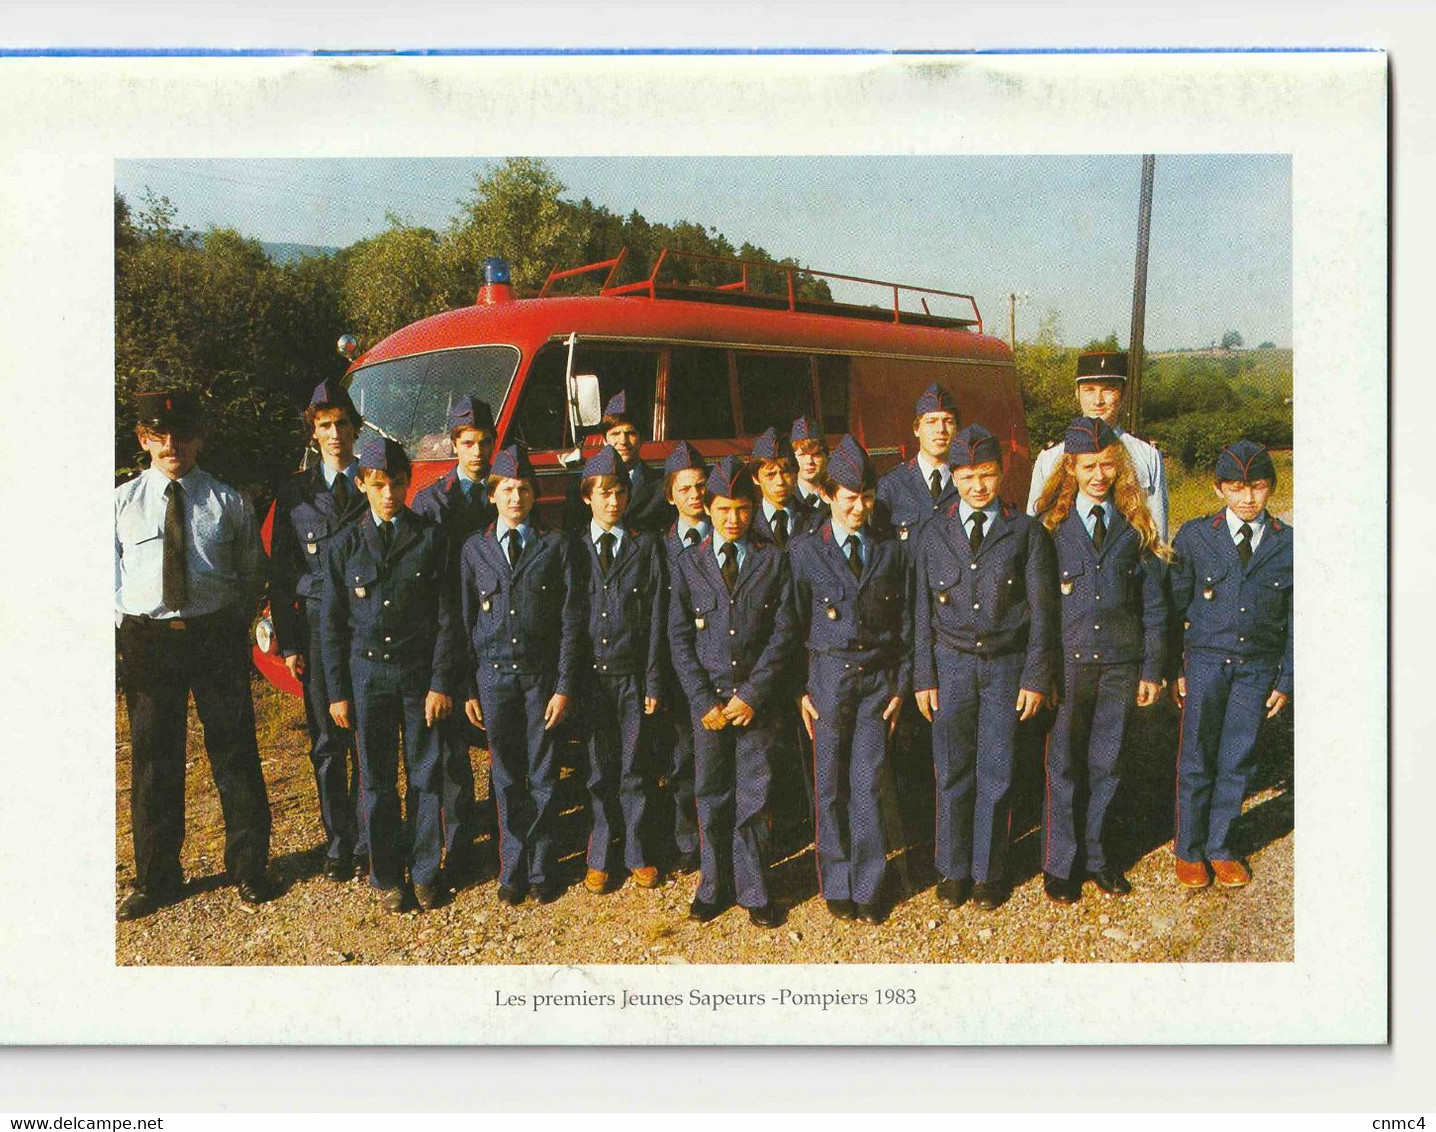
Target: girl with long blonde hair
1060,492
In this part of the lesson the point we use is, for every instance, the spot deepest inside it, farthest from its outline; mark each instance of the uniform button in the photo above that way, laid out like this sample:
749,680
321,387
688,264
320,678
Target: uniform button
972,566
605,668
979,644
847,666
603,614
516,666
605,640
1241,638
975,605
513,640
1099,597
386,601
1076,656
513,612
1096,656
735,664
732,632
1097,626
388,639
496,666
1243,609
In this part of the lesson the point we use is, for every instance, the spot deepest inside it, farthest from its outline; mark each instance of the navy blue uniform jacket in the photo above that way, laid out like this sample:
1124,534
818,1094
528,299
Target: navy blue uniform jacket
1229,611
1004,601
524,622
459,516
732,644
869,619
627,611
1114,604
396,608
905,505
306,516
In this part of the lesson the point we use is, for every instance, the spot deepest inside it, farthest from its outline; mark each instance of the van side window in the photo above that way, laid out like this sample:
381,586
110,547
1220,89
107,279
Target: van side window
774,389
699,404
540,420
834,374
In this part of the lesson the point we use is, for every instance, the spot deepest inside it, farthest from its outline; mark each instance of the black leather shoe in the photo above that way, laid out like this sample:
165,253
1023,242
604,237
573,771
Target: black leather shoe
361,866
339,869
987,895
1112,881
871,913
510,894
255,890
701,911
685,863
428,896
954,892
548,891
1063,890
392,899
461,867
843,909
141,902
767,915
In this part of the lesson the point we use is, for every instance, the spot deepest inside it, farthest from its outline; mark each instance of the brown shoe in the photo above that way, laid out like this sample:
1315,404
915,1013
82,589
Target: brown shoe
645,876
1232,874
596,882
1193,874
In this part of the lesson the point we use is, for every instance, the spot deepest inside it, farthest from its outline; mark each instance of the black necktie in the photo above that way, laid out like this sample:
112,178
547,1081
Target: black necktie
1099,528
855,556
386,536
780,528
341,491
729,568
516,546
692,537
605,552
974,540
1244,544
936,481
176,583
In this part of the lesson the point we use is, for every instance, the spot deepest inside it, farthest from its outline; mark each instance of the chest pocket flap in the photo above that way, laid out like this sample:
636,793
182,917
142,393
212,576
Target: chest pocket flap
134,529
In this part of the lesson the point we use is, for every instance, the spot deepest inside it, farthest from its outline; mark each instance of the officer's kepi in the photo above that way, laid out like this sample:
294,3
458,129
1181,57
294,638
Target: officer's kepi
168,410
1103,365
1244,461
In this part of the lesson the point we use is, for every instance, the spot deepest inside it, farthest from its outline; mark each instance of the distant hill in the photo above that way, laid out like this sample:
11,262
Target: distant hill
288,253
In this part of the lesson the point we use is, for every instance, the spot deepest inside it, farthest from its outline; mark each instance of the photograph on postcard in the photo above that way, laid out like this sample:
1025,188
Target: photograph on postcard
883,733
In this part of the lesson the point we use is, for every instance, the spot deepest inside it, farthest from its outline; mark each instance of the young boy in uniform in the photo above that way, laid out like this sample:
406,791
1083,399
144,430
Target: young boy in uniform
311,510
685,480
810,451
985,637
731,631
915,491
523,620
648,510
620,573
1110,560
392,668
779,519
459,503
853,592
1232,587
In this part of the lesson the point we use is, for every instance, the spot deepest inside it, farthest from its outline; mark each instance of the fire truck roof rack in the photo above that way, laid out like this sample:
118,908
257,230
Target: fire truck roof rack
738,292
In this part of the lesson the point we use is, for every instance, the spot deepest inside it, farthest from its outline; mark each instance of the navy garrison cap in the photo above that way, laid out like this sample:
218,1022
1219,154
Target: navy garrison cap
604,462
974,445
471,412
805,428
1102,366
1243,461
617,406
771,446
1086,435
329,394
729,478
850,467
380,454
167,410
935,399
512,463
683,457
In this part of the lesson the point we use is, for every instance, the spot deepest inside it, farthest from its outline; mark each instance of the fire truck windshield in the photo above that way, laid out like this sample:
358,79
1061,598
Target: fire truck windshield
408,398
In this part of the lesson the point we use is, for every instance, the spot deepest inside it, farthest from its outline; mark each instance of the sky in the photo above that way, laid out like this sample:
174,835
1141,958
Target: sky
1060,231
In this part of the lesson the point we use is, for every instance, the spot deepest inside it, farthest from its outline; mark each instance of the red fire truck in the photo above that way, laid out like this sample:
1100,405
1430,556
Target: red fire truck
713,364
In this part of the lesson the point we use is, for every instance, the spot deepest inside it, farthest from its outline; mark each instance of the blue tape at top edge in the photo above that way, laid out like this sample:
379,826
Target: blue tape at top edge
410,52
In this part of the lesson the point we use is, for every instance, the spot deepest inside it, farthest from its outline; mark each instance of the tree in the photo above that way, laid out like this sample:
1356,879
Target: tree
1267,345
1106,345
395,278
1231,340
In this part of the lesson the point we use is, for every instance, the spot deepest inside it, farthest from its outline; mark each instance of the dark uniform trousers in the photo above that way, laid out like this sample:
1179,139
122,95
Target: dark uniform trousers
162,666
985,627
389,639
724,645
307,519
673,742
460,516
1114,625
859,635
626,639
1239,648
524,627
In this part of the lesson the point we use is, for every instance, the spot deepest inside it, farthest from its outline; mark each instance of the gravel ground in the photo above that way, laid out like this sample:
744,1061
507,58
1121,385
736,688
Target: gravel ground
315,921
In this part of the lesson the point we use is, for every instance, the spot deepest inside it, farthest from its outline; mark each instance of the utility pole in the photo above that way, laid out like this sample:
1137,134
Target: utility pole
1135,349
1013,298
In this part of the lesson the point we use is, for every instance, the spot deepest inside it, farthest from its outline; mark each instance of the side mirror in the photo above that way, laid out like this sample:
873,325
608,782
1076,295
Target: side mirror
587,399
